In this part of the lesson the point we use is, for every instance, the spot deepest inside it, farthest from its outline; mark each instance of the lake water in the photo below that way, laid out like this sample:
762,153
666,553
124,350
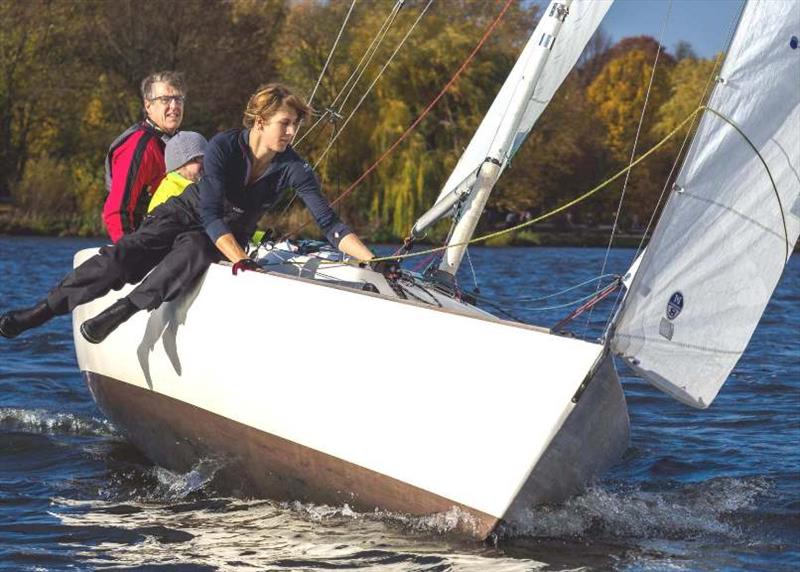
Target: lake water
697,490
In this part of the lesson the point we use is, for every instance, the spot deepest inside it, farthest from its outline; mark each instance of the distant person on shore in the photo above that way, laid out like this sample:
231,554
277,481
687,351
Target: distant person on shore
135,160
247,172
183,158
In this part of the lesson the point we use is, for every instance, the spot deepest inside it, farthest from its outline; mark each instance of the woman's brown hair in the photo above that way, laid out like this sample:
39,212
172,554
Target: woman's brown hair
268,99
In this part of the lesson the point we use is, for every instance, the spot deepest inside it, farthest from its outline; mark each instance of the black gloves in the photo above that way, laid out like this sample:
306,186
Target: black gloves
389,268
244,264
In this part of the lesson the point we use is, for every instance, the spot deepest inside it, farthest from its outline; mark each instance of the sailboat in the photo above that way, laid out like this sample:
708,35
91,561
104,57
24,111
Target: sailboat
289,421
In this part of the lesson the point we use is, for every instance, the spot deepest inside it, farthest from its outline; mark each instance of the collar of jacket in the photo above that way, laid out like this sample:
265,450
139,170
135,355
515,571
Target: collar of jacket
148,125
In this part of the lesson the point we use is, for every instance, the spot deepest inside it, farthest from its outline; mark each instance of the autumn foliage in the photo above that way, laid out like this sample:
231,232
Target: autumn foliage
69,76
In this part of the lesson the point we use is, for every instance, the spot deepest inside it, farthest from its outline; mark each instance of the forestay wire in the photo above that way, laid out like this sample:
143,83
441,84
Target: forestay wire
651,221
633,155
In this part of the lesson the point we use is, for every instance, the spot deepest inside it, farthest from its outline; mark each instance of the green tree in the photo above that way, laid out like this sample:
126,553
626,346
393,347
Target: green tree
691,82
561,158
618,94
29,50
408,181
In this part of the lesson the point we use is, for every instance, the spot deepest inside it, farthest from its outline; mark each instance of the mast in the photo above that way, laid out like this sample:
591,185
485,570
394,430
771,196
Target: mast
501,147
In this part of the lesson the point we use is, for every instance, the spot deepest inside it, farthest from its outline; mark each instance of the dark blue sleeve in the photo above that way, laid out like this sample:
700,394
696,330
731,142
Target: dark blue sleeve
305,183
212,188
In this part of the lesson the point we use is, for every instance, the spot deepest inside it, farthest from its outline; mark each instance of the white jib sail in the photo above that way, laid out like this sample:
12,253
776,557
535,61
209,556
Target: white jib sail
726,232
584,18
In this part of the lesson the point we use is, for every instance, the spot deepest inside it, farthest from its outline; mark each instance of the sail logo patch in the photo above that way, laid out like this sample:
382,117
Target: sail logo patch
675,305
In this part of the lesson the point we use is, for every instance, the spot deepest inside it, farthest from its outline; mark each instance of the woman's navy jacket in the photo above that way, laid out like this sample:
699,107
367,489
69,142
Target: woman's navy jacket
229,205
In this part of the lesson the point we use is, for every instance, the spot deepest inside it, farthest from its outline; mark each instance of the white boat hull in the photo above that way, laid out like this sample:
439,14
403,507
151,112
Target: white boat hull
326,394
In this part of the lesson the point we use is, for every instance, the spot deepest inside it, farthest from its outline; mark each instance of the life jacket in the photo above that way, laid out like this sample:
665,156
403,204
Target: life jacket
145,125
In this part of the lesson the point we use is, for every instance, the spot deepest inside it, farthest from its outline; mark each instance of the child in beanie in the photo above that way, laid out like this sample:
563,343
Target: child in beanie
183,157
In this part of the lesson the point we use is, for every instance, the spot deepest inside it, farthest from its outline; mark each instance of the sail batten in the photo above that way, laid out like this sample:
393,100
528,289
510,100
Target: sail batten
728,228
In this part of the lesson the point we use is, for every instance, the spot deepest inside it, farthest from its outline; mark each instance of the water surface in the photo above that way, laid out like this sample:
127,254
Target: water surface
697,490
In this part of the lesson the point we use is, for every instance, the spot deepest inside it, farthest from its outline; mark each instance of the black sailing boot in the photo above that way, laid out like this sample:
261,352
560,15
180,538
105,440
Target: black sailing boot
96,329
15,322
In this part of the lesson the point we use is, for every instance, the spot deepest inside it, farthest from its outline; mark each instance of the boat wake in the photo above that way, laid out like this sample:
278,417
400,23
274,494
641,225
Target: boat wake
132,482
710,508
439,523
40,421
177,519
176,486
715,508
235,534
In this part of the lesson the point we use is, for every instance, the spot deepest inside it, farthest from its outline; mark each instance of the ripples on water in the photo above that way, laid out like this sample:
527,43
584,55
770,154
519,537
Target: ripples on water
697,490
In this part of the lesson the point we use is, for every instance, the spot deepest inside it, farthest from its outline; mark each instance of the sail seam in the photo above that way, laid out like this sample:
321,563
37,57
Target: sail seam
734,211
681,344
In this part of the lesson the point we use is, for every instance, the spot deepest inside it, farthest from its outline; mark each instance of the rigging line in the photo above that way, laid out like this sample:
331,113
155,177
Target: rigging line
505,312
573,302
516,303
633,153
591,303
769,174
553,295
677,157
472,269
734,25
364,69
319,120
422,115
732,28
365,60
330,55
361,66
556,210
374,81
600,187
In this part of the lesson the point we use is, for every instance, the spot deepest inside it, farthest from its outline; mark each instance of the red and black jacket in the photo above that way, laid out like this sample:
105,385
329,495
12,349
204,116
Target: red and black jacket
134,169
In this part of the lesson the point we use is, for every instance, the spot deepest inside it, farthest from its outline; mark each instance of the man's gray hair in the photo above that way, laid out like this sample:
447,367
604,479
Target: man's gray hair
173,78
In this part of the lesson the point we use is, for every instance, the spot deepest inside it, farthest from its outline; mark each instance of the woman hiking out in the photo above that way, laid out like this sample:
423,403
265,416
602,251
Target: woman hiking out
247,172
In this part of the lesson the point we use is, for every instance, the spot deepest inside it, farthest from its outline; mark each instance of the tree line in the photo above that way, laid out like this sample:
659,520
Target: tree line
70,74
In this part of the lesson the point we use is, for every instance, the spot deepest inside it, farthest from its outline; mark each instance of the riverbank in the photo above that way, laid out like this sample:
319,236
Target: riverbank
14,222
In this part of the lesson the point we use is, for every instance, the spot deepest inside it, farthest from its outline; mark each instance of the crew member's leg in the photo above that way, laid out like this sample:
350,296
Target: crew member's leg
114,266
190,256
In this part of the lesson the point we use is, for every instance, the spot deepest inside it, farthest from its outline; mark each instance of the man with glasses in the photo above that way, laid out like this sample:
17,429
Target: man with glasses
135,161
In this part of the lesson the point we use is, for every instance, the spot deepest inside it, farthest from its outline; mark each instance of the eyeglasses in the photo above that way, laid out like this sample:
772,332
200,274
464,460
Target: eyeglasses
167,99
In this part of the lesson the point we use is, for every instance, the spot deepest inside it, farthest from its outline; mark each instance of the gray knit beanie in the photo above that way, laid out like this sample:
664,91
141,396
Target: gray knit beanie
182,148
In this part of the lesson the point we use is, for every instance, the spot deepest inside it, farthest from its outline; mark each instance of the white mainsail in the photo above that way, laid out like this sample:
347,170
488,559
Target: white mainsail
582,19
731,222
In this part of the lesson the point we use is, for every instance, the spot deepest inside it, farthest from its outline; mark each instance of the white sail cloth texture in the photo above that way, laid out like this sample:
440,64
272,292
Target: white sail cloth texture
583,19
726,232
